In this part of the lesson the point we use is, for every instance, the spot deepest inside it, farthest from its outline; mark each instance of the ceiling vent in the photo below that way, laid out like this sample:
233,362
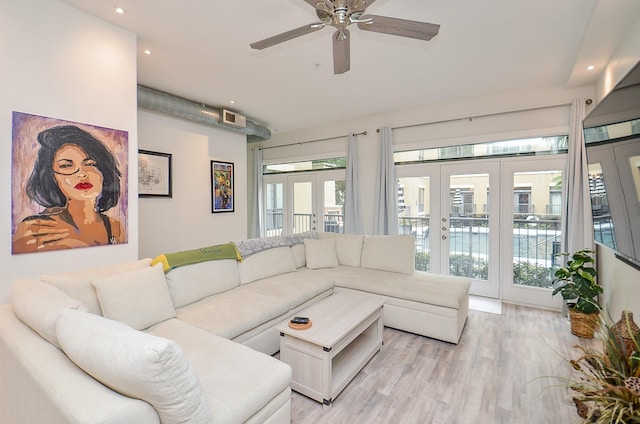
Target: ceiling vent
178,107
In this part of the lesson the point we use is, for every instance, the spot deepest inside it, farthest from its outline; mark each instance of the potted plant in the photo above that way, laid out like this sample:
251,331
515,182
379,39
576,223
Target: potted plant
607,383
576,282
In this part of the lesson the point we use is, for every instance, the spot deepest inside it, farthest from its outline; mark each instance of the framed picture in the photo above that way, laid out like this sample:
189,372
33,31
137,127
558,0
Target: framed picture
222,187
154,174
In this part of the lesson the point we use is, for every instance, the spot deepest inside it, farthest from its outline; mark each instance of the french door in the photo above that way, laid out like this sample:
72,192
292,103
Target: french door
497,222
457,231
295,203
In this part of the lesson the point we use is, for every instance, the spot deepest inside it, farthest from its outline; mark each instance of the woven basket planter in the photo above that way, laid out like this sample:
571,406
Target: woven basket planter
583,325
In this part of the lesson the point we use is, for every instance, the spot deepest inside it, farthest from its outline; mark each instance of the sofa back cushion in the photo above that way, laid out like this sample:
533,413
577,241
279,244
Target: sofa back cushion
38,304
348,247
135,364
190,283
77,284
267,263
139,298
321,253
389,253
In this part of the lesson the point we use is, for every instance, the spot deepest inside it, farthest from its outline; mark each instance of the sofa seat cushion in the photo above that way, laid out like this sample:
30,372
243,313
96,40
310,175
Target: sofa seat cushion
436,289
236,380
233,312
295,287
136,364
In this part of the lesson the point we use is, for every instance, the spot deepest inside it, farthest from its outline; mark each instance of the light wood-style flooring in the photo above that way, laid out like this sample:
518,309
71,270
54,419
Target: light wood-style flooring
498,373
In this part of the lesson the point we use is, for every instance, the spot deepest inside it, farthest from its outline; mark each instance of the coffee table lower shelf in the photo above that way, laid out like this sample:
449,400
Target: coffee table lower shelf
322,372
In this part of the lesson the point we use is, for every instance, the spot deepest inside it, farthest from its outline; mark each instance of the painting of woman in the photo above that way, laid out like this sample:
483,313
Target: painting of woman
76,181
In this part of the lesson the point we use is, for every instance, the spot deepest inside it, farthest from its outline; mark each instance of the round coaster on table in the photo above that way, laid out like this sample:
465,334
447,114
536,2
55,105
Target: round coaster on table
300,326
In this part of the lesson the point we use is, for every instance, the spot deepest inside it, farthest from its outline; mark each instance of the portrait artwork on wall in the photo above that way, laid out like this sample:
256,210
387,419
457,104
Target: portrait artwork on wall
222,199
68,184
154,174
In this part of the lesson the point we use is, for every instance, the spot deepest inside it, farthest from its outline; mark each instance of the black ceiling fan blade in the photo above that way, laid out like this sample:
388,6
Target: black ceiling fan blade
286,36
341,51
402,27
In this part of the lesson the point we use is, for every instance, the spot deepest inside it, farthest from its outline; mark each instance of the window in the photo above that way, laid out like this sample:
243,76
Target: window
529,146
302,166
462,203
522,201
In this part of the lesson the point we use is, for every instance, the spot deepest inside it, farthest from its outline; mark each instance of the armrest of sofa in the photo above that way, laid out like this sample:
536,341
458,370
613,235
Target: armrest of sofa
41,384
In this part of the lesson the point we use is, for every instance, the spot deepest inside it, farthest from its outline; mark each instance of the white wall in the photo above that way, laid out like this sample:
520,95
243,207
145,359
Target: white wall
535,123
185,221
59,62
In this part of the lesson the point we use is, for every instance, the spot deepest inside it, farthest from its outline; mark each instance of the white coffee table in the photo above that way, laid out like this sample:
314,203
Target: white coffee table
346,333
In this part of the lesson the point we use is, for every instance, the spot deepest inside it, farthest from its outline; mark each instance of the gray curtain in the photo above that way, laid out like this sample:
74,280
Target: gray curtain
578,224
352,215
257,227
386,201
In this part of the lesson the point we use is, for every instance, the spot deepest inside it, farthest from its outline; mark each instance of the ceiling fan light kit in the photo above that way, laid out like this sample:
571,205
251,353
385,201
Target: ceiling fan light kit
342,13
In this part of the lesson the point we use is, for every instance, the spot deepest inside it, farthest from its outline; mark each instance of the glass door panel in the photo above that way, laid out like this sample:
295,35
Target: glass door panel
333,206
274,208
535,231
304,218
468,227
415,216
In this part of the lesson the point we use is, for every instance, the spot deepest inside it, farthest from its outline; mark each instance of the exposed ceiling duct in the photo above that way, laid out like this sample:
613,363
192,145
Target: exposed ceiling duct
169,104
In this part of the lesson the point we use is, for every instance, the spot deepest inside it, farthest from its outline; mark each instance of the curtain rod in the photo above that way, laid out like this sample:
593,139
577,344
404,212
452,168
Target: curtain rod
311,141
487,115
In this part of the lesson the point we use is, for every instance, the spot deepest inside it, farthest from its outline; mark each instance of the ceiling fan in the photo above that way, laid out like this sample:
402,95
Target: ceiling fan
342,13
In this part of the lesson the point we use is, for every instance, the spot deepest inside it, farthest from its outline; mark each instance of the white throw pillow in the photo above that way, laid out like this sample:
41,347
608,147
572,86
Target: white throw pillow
321,253
348,247
135,364
38,304
299,255
138,298
389,253
77,284
267,263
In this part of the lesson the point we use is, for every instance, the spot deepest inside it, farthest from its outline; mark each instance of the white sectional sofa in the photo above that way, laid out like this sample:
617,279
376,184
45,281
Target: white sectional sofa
129,343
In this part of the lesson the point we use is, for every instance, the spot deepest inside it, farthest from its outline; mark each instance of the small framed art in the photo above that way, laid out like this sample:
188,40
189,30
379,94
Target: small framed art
154,174
222,199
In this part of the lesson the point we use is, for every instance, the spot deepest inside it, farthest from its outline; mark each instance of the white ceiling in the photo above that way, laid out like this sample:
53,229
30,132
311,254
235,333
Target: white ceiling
201,52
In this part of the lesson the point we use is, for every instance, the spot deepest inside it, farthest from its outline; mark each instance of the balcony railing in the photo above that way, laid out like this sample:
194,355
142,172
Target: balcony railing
535,242
332,223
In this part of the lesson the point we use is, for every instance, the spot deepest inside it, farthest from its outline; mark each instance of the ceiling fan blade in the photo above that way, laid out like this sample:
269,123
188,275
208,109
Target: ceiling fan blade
402,27
341,52
286,36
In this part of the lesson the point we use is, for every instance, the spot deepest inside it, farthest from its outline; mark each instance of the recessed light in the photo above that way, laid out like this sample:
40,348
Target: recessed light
590,68
147,52
232,102
119,10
